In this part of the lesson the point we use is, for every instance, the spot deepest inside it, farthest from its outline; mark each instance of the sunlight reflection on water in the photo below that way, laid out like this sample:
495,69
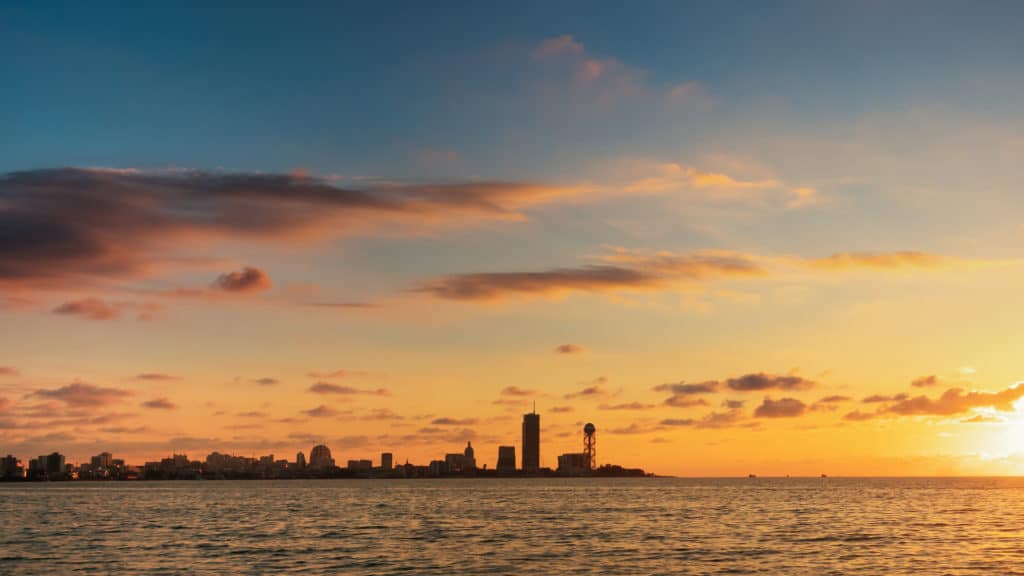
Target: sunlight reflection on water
544,526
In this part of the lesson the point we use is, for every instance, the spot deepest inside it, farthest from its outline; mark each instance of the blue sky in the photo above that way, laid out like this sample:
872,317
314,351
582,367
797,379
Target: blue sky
687,192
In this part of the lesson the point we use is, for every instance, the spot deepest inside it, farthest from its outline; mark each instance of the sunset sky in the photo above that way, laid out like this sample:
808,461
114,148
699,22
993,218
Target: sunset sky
738,237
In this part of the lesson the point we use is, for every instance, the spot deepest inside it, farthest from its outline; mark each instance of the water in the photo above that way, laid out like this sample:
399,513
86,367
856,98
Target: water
522,526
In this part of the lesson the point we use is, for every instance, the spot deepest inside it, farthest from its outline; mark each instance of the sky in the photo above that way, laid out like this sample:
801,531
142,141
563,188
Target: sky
773,238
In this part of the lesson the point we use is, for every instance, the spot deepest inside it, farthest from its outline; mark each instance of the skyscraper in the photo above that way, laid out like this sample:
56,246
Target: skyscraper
386,460
531,442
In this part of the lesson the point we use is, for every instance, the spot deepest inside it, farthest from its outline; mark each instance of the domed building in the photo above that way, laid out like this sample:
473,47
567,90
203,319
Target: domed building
320,457
469,457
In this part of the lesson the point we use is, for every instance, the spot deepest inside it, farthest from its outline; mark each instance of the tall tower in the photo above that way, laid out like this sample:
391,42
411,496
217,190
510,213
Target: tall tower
531,442
590,445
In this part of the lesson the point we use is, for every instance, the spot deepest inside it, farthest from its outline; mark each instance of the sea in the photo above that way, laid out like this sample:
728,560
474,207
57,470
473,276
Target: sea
784,526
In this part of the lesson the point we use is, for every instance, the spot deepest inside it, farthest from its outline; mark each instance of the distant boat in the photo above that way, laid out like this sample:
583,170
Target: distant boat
824,475
751,475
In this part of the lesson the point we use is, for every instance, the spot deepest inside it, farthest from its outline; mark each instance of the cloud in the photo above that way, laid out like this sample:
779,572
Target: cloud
568,349
9,371
925,381
858,416
561,409
834,399
342,373
762,381
329,388
712,420
957,401
266,381
596,390
683,401
96,309
322,411
781,408
381,414
983,419
878,398
666,177
684,389
453,421
517,391
81,394
246,280
678,422
253,414
627,272
882,260
626,406
67,227
560,45
91,308
156,377
160,404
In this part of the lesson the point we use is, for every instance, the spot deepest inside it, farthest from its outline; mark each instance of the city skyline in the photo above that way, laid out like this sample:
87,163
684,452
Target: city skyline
775,238
322,463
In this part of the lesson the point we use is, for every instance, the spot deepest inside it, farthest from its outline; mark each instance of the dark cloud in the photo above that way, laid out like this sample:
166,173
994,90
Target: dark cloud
682,388
568,349
733,404
453,421
266,381
678,422
9,371
322,411
762,381
781,408
253,414
329,388
248,279
60,227
83,394
925,381
160,404
627,273
561,409
678,401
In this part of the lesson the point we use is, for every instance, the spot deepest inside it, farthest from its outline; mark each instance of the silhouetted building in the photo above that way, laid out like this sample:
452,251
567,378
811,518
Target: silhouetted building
102,460
360,465
300,460
386,461
573,464
320,457
51,466
531,442
438,467
506,459
468,457
11,468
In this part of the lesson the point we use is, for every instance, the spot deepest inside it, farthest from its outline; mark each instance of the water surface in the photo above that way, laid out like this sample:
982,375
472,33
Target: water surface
517,526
